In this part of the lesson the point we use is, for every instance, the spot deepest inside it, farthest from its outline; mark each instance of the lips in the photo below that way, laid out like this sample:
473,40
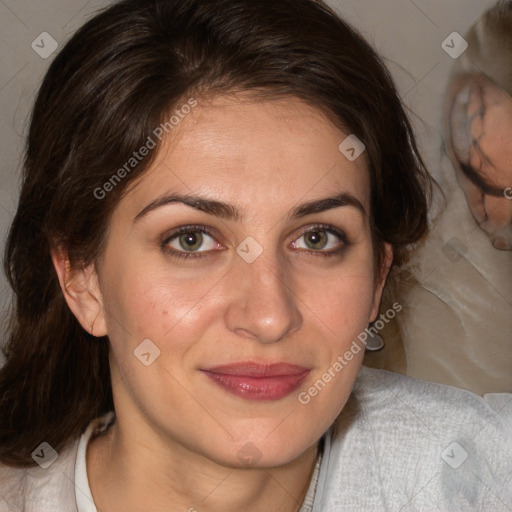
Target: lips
256,381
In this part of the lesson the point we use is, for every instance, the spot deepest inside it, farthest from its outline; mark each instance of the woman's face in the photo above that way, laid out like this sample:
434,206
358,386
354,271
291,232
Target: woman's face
268,299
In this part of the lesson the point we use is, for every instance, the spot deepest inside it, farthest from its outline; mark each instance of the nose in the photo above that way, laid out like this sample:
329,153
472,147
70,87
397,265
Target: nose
262,304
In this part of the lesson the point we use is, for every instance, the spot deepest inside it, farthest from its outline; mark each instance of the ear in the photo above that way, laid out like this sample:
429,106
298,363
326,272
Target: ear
387,260
82,293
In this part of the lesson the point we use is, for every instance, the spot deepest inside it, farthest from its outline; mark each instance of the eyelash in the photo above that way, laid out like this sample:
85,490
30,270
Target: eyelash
201,229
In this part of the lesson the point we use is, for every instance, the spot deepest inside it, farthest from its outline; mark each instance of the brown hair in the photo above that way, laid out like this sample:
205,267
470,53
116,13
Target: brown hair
118,78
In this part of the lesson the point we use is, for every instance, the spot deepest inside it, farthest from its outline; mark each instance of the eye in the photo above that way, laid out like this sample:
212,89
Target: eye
187,240
326,240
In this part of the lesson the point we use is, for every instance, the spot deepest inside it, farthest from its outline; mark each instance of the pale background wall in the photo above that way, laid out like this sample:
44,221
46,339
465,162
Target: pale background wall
407,33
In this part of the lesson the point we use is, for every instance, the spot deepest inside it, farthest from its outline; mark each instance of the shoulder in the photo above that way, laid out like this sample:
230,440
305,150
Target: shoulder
425,415
382,393
40,488
420,446
52,484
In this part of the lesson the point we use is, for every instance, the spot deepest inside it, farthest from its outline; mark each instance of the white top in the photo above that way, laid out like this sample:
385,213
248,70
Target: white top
400,444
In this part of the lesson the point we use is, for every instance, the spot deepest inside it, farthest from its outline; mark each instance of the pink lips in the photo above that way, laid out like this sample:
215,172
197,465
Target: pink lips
256,381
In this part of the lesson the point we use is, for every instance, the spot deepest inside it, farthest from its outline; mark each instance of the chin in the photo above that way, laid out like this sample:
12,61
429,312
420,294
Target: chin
270,447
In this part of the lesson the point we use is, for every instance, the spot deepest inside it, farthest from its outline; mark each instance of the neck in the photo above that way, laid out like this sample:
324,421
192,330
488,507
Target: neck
125,474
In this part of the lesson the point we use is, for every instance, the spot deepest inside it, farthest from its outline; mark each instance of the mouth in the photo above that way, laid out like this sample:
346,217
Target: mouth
256,381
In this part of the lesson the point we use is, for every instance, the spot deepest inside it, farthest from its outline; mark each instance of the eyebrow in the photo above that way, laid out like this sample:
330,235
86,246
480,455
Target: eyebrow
230,211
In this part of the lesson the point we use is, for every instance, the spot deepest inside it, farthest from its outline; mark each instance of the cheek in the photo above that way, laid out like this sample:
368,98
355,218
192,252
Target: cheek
348,297
148,301
341,297
149,307
341,314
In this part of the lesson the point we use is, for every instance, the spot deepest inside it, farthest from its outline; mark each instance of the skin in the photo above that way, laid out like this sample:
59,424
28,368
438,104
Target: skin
478,128
177,434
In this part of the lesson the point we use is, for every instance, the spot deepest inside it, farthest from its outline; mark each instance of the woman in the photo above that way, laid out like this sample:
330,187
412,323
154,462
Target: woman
214,195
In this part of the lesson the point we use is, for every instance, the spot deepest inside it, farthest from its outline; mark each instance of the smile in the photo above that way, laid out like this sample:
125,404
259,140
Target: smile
258,382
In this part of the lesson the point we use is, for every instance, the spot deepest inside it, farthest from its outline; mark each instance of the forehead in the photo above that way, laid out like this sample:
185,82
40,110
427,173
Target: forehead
254,153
